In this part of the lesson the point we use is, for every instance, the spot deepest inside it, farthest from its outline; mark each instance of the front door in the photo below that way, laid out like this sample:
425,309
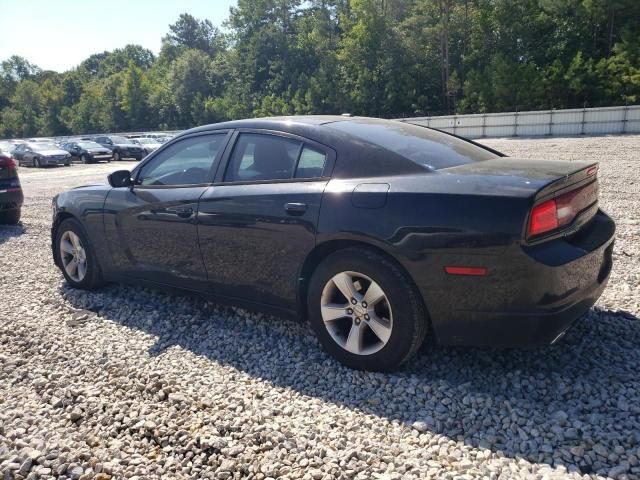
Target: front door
257,224
151,227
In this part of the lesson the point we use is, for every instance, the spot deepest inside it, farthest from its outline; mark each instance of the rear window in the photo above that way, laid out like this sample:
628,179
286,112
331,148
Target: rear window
432,149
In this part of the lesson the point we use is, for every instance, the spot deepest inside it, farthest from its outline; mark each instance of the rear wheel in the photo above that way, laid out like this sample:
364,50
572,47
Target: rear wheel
75,256
11,217
365,311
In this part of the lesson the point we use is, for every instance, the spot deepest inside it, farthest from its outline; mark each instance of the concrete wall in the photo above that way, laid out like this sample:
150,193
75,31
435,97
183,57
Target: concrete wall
579,121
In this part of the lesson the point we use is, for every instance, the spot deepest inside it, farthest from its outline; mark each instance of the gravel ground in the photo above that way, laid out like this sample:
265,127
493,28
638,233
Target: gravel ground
133,383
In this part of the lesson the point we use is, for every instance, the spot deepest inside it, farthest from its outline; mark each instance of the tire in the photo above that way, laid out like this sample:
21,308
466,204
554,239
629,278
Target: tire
11,217
403,321
84,159
92,279
116,156
36,163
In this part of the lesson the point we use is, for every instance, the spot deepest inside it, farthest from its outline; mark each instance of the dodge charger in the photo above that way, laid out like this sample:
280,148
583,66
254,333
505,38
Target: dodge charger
380,233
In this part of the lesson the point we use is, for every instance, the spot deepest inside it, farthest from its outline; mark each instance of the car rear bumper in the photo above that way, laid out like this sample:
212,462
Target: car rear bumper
11,198
530,295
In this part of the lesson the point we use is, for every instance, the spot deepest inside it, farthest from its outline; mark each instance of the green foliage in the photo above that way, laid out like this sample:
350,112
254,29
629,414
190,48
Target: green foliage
366,57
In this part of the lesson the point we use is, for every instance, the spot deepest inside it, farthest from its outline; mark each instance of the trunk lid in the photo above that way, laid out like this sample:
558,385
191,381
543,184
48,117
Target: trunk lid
568,190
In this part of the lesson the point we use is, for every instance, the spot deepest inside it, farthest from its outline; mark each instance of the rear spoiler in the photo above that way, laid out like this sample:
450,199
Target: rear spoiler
465,139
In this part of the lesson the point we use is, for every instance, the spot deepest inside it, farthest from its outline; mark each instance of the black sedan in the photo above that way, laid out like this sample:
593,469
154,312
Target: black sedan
121,147
380,232
87,151
40,154
11,196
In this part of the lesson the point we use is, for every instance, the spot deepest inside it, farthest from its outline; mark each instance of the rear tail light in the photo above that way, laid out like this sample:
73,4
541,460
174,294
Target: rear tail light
544,218
562,210
7,162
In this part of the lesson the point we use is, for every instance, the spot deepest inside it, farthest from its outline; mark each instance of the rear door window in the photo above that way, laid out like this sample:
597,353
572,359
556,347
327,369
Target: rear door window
260,157
311,164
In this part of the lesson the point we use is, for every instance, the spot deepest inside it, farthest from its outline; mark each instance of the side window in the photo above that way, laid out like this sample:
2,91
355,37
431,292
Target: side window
311,163
187,162
262,157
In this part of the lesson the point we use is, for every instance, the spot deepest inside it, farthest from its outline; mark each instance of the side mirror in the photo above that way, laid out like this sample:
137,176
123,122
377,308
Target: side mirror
120,178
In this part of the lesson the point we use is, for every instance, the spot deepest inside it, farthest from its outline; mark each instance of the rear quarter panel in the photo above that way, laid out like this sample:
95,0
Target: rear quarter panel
425,223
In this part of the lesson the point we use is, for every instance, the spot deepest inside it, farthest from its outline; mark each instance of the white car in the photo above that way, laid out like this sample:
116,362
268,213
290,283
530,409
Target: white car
147,144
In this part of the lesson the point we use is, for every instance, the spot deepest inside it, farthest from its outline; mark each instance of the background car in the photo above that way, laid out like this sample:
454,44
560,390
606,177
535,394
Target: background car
120,146
7,148
11,196
380,232
148,144
39,154
87,151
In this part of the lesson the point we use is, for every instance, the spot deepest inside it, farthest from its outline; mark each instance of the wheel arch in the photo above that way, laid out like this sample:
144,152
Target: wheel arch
324,249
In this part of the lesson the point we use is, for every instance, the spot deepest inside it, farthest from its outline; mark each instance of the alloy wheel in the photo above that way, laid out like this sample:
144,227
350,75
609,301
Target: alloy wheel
356,313
73,256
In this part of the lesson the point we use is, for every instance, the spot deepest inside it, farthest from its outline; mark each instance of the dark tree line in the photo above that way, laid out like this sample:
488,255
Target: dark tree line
368,57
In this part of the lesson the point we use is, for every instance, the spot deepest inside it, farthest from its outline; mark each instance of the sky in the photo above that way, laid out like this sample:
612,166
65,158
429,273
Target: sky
59,34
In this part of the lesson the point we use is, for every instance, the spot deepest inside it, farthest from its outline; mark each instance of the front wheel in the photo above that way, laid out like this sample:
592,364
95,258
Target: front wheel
75,256
36,163
365,311
84,159
116,156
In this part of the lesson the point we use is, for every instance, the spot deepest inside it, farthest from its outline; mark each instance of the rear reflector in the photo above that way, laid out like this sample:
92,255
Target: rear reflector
592,170
473,271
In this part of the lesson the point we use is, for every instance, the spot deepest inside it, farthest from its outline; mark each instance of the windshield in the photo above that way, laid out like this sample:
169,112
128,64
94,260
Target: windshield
90,145
40,147
120,140
429,148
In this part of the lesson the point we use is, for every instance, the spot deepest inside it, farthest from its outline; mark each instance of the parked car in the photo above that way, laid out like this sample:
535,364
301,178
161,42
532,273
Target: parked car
11,196
87,151
39,154
379,231
41,140
120,146
7,148
148,144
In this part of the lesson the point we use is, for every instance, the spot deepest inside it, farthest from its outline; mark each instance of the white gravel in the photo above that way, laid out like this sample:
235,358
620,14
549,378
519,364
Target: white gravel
133,383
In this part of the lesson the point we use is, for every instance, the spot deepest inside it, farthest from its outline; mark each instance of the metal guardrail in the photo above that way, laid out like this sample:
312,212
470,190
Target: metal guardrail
579,121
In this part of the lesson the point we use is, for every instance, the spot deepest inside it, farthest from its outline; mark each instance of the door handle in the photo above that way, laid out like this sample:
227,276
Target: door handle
182,212
295,208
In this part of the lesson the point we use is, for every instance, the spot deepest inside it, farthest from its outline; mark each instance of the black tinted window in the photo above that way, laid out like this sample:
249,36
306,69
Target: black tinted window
429,148
187,162
262,157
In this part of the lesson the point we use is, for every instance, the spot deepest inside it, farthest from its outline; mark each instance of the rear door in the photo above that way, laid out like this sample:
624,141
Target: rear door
258,222
151,227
